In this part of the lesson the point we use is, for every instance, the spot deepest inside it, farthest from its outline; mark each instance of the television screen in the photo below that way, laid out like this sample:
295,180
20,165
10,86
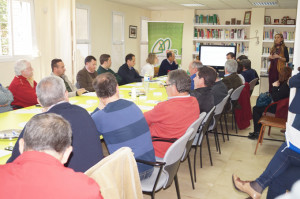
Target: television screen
215,56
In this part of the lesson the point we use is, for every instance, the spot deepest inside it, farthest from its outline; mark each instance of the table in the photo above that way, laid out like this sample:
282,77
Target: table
18,118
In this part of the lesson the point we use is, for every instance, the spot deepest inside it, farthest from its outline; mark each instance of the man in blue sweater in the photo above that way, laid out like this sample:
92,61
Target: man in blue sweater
122,123
168,64
87,149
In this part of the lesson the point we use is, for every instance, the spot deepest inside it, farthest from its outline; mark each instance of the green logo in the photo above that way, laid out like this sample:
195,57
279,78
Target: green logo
160,46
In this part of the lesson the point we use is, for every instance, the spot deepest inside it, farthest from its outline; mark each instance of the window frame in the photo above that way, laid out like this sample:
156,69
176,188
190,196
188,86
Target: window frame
35,53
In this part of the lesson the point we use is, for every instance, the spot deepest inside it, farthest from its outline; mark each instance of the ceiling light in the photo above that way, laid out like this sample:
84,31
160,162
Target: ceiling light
192,5
271,3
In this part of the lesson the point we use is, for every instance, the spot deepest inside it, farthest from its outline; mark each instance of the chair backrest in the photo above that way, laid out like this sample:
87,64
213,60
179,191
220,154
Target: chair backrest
236,93
189,143
173,156
253,83
220,106
204,126
282,108
230,91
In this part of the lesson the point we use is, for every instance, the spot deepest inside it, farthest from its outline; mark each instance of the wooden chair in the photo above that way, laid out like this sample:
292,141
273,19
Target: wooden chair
278,121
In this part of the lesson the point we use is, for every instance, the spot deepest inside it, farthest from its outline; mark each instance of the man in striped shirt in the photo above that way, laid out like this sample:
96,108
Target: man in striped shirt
122,123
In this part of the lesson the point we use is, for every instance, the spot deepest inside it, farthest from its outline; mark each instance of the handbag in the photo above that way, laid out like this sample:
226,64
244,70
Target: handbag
264,99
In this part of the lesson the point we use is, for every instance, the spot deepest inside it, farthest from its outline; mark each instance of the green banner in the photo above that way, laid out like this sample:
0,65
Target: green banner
165,36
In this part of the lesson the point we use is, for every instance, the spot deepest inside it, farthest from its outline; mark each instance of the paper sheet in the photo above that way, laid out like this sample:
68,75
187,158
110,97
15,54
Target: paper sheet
92,94
4,153
29,111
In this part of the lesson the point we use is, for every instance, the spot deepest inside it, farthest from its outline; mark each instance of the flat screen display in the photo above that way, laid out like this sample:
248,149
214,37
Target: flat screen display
215,56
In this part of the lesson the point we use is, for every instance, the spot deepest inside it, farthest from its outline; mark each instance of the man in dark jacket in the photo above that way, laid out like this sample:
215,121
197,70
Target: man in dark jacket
168,64
204,80
127,71
231,78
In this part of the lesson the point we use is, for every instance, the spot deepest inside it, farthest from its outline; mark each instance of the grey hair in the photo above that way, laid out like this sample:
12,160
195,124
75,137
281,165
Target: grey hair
47,131
231,66
180,79
196,64
50,90
20,65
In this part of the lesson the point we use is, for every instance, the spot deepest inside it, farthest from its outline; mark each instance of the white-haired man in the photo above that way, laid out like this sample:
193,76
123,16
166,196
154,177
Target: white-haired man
193,68
231,78
23,85
87,149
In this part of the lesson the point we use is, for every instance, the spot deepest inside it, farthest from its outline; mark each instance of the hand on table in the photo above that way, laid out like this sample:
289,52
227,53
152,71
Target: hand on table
80,91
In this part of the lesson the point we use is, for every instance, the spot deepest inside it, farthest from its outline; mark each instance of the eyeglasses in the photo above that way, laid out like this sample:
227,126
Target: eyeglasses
167,85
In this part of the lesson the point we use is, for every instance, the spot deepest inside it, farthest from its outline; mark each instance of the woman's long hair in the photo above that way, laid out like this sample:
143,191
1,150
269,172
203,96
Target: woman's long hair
282,44
284,74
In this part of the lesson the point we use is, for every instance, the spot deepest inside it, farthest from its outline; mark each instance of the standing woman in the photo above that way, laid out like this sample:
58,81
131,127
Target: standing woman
278,57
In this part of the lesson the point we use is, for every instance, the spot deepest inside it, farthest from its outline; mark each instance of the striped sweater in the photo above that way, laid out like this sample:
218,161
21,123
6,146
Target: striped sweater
122,123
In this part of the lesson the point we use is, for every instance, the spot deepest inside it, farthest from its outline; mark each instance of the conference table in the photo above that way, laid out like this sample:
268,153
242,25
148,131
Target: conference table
148,94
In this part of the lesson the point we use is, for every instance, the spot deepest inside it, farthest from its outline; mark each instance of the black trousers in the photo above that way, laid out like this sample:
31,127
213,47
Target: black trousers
257,113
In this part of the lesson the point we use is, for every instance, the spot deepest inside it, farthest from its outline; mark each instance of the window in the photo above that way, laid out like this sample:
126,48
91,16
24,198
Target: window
82,34
144,41
16,28
118,46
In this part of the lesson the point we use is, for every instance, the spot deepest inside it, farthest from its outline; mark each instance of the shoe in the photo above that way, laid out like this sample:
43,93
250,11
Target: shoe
244,186
250,134
253,136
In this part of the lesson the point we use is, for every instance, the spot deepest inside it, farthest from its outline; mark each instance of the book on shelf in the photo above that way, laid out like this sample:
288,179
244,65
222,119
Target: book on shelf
207,33
266,50
207,19
270,34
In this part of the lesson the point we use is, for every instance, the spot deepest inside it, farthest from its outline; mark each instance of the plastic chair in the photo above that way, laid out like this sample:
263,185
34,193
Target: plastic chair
186,154
226,108
164,172
252,85
234,103
217,117
199,137
278,121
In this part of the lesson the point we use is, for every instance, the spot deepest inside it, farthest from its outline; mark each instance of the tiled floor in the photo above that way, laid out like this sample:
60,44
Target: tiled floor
214,182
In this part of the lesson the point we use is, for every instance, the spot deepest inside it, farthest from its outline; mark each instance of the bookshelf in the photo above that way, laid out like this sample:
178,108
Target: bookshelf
209,34
270,31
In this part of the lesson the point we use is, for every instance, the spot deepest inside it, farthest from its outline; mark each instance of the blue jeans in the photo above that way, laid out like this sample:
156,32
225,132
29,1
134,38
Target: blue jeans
281,161
146,174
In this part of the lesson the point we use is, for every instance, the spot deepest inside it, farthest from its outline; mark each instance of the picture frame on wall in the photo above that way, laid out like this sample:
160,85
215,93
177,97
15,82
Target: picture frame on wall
276,21
290,22
132,32
247,18
267,20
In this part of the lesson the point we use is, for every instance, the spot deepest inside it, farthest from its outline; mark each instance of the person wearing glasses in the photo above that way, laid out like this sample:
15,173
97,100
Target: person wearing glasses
170,119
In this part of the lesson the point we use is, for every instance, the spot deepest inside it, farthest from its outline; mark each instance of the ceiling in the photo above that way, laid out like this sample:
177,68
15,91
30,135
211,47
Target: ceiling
208,4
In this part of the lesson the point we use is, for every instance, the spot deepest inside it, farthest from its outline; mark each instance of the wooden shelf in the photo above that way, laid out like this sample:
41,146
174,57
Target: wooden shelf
267,55
279,26
220,26
220,40
272,41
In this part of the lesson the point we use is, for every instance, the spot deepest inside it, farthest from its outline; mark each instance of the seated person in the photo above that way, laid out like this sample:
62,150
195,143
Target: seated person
39,171
148,69
219,90
284,168
204,80
168,64
248,73
280,90
241,57
193,68
127,71
23,85
231,78
58,69
86,75
170,119
87,149
5,99
240,70
105,64
122,123
230,55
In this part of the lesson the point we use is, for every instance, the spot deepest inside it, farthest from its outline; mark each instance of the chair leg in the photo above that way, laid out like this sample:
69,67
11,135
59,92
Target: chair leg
225,119
269,132
232,120
262,129
201,156
217,147
208,147
195,162
233,113
222,129
218,142
191,173
177,186
152,195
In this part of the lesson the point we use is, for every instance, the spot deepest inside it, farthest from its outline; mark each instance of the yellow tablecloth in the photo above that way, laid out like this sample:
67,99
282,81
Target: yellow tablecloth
18,118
